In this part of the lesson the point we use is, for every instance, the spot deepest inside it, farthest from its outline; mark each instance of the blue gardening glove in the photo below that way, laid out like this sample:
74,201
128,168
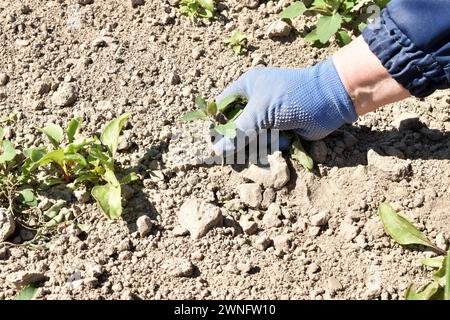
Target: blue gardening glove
311,101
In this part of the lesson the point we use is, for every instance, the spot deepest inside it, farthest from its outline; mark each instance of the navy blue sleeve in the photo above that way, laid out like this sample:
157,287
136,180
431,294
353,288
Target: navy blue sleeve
412,40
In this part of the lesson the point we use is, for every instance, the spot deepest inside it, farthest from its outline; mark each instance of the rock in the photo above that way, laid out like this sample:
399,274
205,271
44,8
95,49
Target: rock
85,2
197,255
197,52
251,4
320,219
4,79
137,3
268,198
406,121
144,225
233,205
271,217
66,95
174,79
25,278
282,242
94,270
179,231
249,227
42,87
275,177
199,217
333,285
441,242
250,194
179,267
314,231
261,243
348,231
313,268
318,151
393,167
279,28
124,245
244,267
7,224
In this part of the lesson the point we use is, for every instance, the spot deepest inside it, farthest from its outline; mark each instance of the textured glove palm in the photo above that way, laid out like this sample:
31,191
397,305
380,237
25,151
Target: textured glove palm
311,101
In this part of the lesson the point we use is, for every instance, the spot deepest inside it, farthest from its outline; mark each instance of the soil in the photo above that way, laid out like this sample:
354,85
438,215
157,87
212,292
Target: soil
108,58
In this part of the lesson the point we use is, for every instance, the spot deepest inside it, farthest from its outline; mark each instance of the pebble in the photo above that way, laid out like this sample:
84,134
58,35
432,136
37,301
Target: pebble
249,227
313,268
7,224
333,285
65,95
320,218
250,194
23,278
144,225
4,79
261,243
282,242
348,231
268,197
395,168
406,121
179,267
271,217
274,177
279,28
199,217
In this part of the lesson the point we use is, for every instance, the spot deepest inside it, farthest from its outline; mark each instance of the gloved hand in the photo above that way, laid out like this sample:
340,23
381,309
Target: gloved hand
312,101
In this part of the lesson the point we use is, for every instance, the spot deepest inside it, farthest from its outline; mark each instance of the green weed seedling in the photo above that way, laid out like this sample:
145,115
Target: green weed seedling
222,115
238,42
405,233
299,154
336,17
77,161
195,9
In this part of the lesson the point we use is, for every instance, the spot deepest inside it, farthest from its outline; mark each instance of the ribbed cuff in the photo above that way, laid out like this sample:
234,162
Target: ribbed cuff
420,73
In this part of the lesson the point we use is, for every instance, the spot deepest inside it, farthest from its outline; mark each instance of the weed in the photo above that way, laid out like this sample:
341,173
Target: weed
198,8
336,17
238,42
405,233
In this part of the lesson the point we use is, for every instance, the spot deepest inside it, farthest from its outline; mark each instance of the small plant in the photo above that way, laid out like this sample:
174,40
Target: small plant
336,17
405,233
198,8
221,115
26,293
299,154
238,42
82,161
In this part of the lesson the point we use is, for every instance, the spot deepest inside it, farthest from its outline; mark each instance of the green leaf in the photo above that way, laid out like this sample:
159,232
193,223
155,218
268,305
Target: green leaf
54,210
73,129
195,115
2,134
344,37
78,144
327,26
110,134
211,108
233,114
294,10
433,262
26,293
77,158
312,36
54,133
56,156
9,153
299,154
424,294
109,199
129,178
200,102
362,26
228,102
207,4
400,229
228,130
27,197
447,278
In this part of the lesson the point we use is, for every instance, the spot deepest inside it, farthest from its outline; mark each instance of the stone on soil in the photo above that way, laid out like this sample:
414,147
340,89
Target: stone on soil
198,217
